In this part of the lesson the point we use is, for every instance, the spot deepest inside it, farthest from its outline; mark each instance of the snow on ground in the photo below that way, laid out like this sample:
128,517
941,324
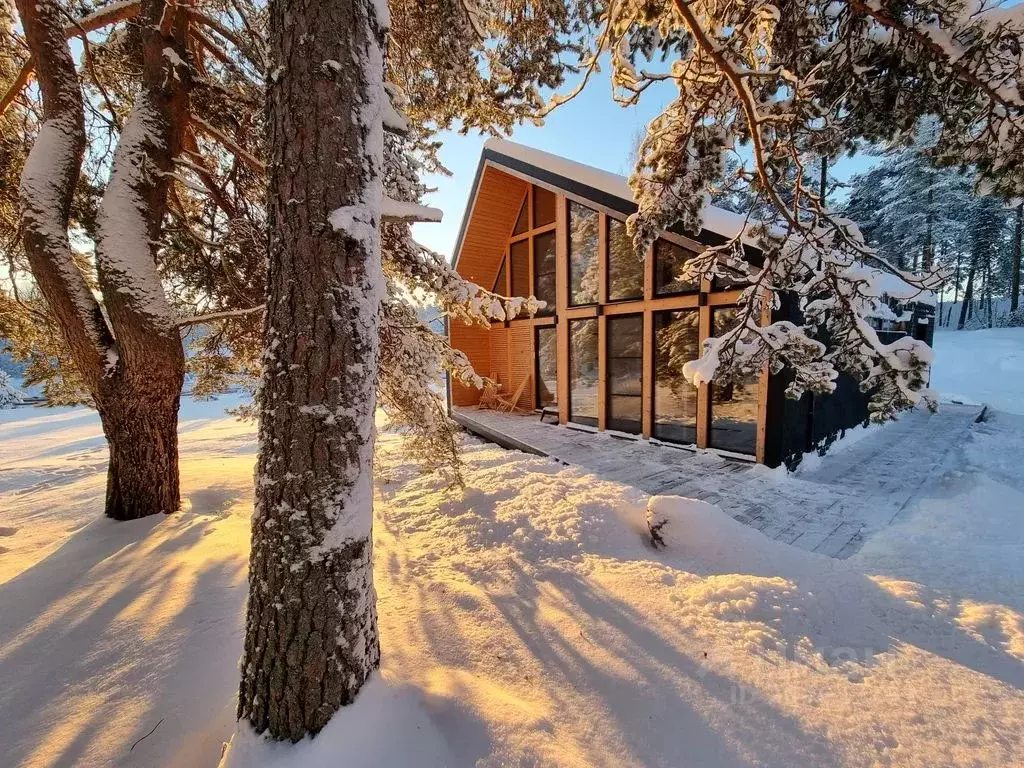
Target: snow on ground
525,621
984,366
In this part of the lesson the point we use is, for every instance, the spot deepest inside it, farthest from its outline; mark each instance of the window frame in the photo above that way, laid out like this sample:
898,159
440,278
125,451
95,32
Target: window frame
609,394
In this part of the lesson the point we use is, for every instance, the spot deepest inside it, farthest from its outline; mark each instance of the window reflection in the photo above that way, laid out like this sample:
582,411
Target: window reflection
543,207
544,271
625,372
676,342
583,223
547,365
519,261
523,222
669,259
583,371
625,269
734,405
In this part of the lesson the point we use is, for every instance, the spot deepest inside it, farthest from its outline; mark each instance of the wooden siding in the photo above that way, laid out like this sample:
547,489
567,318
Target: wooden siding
521,362
498,200
473,341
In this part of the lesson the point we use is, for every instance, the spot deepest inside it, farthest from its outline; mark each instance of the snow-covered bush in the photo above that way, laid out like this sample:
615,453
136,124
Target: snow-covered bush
1013,319
9,394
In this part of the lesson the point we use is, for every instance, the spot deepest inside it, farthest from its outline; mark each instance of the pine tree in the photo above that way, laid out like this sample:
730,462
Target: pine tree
340,332
798,83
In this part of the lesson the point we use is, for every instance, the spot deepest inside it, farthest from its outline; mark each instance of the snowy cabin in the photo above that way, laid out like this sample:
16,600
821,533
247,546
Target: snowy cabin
607,350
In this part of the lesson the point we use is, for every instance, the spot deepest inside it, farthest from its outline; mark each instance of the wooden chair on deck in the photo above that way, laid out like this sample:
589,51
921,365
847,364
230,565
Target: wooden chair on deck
508,404
490,394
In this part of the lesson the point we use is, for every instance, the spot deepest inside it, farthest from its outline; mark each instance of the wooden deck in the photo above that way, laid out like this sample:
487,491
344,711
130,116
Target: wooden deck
830,508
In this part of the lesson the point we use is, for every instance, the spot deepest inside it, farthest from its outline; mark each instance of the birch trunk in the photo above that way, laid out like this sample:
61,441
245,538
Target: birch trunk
311,625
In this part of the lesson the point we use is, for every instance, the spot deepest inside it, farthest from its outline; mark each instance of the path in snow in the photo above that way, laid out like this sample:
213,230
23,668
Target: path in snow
831,508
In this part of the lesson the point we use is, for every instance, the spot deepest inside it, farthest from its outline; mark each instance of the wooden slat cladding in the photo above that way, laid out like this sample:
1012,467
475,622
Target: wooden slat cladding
498,370
473,341
498,200
521,363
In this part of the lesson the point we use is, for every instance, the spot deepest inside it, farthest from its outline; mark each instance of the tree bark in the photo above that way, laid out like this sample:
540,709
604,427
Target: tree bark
142,436
133,366
311,624
965,307
1015,266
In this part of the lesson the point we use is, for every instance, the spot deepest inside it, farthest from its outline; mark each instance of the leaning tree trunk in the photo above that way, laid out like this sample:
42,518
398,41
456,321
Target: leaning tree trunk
311,625
129,357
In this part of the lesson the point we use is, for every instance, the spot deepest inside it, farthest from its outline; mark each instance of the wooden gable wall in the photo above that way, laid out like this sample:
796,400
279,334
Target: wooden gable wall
496,206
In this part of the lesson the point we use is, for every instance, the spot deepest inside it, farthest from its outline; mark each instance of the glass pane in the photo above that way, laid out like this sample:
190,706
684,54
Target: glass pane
522,223
583,371
668,261
733,406
583,224
500,286
625,269
544,271
519,261
676,341
625,372
547,365
543,207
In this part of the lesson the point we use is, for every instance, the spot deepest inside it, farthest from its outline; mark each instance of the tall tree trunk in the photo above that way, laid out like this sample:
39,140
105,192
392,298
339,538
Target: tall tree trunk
966,306
1015,266
987,296
926,252
311,625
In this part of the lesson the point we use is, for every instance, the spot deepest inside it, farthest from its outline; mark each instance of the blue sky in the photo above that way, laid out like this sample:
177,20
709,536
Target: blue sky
590,129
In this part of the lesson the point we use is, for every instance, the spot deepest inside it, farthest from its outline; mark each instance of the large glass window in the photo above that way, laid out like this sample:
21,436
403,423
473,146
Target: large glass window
523,222
519,261
544,271
583,371
625,270
543,207
583,223
676,341
669,259
546,340
733,406
625,372
500,285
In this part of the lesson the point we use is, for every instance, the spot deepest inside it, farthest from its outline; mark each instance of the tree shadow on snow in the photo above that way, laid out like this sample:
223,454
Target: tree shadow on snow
114,631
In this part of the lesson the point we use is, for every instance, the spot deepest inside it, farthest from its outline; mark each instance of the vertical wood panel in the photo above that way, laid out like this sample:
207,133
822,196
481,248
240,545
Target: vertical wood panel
521,357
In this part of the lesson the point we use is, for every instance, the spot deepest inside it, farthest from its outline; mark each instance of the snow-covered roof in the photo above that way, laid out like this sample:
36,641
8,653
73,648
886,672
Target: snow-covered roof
717,220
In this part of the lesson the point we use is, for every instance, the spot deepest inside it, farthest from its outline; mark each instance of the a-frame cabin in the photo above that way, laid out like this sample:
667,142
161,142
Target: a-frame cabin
608,349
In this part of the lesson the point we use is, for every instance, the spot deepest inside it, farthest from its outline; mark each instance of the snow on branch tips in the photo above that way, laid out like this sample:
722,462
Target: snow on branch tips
743,79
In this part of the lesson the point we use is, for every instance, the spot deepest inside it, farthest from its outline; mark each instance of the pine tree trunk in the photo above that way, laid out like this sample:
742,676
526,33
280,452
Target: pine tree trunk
966,306
1015,266
311,625
135,371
